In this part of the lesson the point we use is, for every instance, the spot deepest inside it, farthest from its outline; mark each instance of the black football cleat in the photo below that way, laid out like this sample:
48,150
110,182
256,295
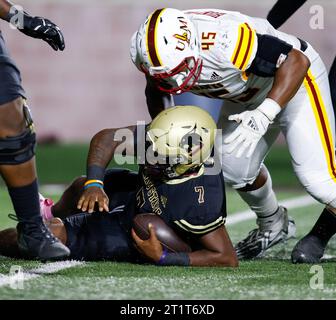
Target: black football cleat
36,241
309,249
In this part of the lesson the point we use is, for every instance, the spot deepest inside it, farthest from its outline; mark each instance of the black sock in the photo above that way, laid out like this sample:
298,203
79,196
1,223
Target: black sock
325,226
26,202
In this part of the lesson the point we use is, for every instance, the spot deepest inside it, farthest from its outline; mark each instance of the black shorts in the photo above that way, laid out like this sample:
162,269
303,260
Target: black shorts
99,236
10,78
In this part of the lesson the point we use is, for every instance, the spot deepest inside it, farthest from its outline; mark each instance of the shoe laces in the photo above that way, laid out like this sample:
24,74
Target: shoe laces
255,235
47,233
13,216
38,230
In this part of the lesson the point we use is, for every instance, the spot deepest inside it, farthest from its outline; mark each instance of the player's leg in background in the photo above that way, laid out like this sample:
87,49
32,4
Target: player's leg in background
17,167
282,10
17,164
308,120
254,184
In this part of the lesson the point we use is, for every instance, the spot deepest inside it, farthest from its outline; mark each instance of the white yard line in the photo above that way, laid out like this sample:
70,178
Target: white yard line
18,277
292,203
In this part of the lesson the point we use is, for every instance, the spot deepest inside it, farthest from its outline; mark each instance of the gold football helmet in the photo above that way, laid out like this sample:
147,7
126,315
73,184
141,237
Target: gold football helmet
182,139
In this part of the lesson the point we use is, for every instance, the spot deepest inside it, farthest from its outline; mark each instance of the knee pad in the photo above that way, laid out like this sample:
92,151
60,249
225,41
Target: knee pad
21,148
18,149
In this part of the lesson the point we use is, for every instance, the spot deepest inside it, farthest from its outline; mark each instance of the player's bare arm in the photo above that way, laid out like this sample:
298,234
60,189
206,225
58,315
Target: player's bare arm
35,27
156,99
217,249
254,124
289,77
102,149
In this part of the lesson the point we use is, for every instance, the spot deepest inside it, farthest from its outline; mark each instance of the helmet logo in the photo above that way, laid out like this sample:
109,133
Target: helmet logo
184,38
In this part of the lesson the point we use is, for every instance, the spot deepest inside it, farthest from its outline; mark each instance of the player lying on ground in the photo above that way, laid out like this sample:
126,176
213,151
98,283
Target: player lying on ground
188,199
271,82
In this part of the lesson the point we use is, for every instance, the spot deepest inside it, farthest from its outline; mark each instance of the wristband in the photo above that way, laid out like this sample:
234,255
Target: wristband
269,108
15,10
93,183
95,172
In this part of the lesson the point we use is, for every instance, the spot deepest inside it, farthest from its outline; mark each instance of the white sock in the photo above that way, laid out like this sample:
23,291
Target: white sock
264,203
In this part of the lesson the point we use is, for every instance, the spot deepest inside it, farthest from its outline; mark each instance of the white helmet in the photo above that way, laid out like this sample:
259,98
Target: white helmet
166,48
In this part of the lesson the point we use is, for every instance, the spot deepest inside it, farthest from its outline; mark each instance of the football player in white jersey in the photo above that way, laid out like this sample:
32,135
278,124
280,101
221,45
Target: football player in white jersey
271,82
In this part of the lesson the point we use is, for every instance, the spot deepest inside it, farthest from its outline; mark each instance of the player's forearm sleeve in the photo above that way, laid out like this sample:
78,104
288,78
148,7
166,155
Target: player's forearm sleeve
174,259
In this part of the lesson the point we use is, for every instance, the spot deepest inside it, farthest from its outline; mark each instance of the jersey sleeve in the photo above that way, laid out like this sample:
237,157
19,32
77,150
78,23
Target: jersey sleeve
242,44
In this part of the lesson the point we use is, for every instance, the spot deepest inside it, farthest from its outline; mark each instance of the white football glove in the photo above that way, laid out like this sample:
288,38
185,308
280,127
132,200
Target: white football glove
253,125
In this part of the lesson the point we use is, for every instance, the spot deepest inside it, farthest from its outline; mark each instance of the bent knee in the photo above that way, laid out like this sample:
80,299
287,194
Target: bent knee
324,192
240,179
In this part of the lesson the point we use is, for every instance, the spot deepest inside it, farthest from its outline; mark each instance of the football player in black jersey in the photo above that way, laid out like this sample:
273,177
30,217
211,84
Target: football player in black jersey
177,189
18,137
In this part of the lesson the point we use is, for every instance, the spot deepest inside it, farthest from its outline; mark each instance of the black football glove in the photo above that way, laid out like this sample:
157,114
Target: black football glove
41,28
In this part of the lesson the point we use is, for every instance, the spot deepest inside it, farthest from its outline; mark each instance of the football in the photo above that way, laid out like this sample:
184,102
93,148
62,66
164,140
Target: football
166,235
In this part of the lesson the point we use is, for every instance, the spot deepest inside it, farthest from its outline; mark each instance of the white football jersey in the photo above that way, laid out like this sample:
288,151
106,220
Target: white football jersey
228,46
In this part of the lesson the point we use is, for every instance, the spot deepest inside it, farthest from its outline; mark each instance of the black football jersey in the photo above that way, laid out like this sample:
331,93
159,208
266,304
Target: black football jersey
195,205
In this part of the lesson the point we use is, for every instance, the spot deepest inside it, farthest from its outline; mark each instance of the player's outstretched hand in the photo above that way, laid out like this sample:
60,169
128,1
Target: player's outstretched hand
244,139
41,28
252,126
151,248
90,197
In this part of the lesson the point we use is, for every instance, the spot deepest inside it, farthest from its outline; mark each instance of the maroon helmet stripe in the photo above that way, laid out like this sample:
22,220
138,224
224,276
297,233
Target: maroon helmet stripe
151,38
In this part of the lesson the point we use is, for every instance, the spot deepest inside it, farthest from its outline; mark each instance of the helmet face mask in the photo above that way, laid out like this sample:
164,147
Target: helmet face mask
166,48
165,167
181,79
